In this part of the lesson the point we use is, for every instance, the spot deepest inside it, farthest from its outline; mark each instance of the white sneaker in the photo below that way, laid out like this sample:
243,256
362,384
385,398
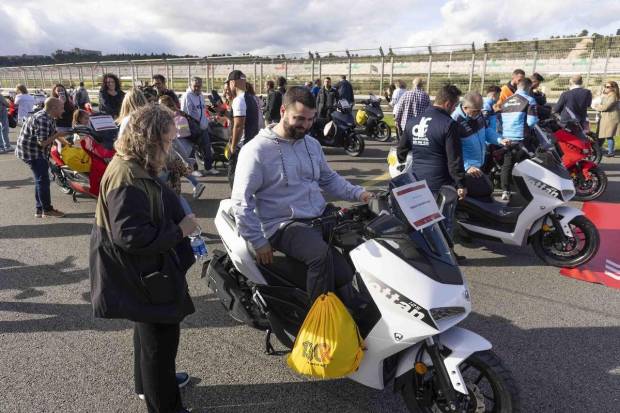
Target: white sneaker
198,190
212,171
197,173
505,196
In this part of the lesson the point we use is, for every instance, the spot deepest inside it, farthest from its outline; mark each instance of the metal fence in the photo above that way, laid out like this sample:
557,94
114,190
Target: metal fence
370,70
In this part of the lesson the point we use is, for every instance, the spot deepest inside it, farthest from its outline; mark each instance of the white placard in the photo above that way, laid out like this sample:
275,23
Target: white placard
418,204
102,122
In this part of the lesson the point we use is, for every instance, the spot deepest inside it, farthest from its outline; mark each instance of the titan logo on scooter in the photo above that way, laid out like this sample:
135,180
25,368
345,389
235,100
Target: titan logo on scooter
400,300
544,187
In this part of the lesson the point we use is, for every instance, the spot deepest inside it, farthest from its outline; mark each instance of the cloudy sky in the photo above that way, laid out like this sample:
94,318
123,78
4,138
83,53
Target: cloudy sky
276,26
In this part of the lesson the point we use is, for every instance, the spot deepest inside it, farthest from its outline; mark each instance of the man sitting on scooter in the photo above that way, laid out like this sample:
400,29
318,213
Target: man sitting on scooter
519,115
277,191
476,134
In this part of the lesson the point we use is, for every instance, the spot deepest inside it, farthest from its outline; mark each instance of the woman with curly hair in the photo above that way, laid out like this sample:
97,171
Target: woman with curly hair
110,95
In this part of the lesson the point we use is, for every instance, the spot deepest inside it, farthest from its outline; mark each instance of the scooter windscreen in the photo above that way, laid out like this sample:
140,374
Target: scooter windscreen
431,254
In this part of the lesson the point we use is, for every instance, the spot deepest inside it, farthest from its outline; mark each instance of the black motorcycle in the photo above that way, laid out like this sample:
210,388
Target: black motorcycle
371,118
339,131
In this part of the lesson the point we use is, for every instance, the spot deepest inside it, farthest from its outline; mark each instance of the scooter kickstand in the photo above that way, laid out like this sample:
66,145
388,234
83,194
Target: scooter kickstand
268,346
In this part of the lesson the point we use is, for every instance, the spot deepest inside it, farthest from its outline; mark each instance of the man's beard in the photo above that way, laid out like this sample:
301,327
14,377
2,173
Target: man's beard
293,132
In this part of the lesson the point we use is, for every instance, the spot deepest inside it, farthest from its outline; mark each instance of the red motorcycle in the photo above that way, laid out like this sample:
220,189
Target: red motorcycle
576,149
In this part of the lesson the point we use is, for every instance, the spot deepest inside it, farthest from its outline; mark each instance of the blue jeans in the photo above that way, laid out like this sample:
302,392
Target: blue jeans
611,146
4,130
42,196
205,149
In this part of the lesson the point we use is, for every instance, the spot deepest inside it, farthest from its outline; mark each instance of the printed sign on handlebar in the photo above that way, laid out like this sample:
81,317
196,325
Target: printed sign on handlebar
418,204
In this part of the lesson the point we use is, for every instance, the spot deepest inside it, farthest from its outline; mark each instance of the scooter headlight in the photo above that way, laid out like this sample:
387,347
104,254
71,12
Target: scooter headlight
445,312
391,159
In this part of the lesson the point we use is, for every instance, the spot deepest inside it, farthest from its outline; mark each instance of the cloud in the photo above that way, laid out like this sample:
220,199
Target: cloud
277,26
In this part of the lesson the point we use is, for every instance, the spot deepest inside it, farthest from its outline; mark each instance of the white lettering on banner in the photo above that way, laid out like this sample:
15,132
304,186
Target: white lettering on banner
419,131
612,269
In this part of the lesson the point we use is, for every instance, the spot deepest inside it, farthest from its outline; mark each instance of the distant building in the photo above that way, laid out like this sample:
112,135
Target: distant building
77,51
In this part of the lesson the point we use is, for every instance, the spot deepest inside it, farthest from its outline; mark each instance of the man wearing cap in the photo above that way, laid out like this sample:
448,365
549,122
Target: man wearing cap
245,111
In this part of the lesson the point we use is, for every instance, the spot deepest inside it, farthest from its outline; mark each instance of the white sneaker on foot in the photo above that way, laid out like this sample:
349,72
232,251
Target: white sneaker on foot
197,173
212,171
505,196
198,190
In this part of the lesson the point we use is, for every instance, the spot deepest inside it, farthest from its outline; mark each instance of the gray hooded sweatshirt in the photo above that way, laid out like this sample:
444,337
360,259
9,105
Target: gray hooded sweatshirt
278,180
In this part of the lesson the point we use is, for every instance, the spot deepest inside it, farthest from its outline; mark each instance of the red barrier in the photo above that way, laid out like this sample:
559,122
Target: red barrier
604,268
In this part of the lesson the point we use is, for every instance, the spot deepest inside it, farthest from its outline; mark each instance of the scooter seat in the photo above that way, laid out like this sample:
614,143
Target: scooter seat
283,271
495,211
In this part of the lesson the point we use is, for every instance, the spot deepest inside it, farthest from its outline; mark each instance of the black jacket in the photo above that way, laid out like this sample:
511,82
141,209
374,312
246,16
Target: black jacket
326,102
272,108
578,100
345,91
136,234
434,140
110,105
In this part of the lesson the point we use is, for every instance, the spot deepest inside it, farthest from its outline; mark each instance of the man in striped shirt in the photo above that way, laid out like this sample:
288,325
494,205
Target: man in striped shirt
411,104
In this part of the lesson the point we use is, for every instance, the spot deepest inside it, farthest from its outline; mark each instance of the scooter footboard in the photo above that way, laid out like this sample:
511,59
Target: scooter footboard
462,343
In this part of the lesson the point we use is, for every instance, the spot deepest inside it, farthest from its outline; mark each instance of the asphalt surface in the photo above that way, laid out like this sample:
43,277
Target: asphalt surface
558,336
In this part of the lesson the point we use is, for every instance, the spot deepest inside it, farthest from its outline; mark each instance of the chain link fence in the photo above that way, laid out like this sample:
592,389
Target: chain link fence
370,70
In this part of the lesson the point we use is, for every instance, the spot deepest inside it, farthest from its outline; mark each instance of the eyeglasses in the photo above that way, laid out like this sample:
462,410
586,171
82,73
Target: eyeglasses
607,86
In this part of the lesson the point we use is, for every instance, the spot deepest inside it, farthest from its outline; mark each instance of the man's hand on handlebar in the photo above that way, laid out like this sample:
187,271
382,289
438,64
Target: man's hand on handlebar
461,192
506,142
264,254
475,172
366,197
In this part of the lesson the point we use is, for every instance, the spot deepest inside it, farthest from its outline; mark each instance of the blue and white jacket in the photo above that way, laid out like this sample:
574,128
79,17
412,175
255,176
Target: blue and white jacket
476,133
519,115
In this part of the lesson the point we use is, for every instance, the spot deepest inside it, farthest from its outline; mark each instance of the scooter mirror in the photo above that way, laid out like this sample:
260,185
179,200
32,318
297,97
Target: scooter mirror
329,128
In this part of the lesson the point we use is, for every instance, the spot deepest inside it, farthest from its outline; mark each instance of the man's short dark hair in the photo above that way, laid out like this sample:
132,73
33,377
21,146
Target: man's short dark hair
299,94
494,89
343,77
82,84
159,77
271,84
448,93
328,78
525,84
281,81
518,72
537,76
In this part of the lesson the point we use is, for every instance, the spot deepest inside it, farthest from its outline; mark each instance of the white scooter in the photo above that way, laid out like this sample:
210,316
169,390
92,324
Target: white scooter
538,213
414,295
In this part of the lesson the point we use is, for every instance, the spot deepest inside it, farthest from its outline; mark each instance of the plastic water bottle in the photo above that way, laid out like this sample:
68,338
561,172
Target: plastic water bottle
199,247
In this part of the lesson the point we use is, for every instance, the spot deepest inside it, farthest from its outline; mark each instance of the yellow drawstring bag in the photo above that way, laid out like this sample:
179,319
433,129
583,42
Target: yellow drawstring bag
329,344
360,117
76,158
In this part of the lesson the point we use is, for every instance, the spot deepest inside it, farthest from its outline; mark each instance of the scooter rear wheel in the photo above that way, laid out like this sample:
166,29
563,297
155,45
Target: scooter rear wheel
383,133
571,252
587,190
491,388
356,145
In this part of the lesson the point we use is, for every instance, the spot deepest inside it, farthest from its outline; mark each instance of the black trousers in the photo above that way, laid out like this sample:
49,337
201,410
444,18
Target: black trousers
506,174
155,350
480,188
328,270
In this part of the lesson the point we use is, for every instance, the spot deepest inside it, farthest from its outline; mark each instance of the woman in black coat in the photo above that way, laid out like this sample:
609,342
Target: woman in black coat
140,253
110,95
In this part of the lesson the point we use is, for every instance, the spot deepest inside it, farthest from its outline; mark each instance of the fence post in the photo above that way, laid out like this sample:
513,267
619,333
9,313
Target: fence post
320,64
349,58
382,70
473,64
590,63
312,70
606,61
42,80
92,77
257,86
152,72
167,70
189,75
213,76
60,75
171,79
483,75
391,67
286,70
430,68
535,63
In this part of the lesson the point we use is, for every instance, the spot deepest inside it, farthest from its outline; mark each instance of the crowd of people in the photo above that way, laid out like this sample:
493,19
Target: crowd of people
280,172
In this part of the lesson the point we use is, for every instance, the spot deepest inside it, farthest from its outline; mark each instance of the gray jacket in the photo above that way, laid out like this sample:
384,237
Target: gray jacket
278,180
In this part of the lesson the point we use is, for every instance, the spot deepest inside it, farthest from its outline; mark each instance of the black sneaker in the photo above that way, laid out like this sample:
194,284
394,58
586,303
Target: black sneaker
38,213
182,380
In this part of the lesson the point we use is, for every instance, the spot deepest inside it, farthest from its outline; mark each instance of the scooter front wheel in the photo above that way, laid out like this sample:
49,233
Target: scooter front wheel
355,146
589,189
554,248
491,388
383,133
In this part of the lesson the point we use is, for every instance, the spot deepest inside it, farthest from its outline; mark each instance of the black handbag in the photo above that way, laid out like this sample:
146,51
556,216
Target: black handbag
194,129
13,120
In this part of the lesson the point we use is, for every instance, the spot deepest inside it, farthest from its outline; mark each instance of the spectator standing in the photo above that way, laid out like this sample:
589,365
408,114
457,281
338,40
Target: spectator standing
326,99
308,85
81,97
282,85
37,134
411,104
345,90
5,145
24,102
110,95
193,104
66,120
133,100
316,88
259,104
140,254
609,107
509,88
488,107
245,111
274,102
159,83
578,99
397,93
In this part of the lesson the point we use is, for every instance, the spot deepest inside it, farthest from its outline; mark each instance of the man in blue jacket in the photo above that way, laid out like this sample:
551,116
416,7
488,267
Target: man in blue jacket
278,187
476,134
519,116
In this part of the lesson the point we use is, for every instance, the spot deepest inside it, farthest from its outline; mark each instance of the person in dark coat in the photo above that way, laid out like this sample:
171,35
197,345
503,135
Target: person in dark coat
274,102
577,99
110,95
345,90
326,99
140,253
